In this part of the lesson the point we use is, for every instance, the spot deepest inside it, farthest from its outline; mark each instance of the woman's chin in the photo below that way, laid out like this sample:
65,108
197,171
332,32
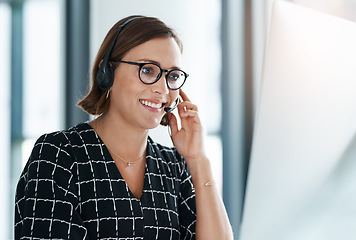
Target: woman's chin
152,124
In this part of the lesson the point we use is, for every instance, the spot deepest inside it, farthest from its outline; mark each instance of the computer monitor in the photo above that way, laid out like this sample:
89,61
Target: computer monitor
302,174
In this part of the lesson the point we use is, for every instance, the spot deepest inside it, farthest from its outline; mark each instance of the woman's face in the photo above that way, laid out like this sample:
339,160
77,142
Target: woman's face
139,104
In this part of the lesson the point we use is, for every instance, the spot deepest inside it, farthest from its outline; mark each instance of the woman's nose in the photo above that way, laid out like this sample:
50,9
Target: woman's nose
161,86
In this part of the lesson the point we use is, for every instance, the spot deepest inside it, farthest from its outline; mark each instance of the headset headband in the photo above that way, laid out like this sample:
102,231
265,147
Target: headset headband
105,75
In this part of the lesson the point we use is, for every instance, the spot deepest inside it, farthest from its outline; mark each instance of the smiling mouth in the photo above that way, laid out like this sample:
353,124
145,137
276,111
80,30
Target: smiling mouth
152,105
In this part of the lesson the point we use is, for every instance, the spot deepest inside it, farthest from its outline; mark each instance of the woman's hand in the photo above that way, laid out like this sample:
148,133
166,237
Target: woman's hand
212,220
189,139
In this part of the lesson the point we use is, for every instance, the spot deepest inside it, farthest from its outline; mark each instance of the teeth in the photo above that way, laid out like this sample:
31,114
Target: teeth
150,104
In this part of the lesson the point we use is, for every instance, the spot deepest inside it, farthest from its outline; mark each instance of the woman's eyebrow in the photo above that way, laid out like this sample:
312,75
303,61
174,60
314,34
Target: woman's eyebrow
145,60
148,60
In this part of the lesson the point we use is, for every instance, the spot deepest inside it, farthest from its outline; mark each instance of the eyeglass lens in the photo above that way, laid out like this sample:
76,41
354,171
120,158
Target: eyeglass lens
150,73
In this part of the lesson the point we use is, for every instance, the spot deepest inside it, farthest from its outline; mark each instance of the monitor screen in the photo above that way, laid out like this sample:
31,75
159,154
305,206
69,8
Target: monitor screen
302,175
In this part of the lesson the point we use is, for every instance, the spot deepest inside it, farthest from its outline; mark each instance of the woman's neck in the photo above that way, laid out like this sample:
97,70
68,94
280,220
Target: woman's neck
121,138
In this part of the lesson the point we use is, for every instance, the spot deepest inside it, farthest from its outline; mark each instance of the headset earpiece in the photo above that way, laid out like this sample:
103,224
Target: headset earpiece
105,75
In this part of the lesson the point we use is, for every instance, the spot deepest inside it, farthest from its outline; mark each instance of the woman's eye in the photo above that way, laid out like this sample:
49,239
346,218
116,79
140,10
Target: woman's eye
174,77
147,70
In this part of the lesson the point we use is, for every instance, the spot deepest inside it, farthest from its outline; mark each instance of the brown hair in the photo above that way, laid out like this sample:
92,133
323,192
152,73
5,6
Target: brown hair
135,33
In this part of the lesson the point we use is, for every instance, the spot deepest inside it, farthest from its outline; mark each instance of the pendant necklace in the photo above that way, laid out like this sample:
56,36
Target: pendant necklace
127,162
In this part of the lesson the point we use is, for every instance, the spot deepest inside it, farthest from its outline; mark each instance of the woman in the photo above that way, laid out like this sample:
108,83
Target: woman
107,179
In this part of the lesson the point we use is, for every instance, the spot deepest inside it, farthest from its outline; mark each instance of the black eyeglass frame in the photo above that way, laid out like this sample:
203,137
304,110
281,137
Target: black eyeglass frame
186,75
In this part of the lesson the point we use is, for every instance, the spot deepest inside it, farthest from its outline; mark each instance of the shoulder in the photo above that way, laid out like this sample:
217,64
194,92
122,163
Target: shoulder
168,156
56,152
72,137
59,146
167,153
81,134
59,139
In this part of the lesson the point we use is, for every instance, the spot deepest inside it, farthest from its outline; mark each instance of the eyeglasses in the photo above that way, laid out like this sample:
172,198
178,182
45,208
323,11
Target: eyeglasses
150,73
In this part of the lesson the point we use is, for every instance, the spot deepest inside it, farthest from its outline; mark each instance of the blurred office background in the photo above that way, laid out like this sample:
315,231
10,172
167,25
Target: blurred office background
47,48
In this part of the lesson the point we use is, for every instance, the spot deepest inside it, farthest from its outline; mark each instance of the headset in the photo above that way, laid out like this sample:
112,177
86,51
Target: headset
105,75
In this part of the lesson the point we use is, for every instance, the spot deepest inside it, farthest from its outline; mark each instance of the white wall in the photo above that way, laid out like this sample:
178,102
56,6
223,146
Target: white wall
5,17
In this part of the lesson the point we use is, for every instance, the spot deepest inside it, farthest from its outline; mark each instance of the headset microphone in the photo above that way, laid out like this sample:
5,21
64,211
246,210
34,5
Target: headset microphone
170,109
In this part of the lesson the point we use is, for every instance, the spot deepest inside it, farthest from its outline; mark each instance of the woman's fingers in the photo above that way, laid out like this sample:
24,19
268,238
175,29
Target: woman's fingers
189,106
190,113
186,107
183,95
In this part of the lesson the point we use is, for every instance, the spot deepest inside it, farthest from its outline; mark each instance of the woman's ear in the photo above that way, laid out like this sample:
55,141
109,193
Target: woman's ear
100,63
